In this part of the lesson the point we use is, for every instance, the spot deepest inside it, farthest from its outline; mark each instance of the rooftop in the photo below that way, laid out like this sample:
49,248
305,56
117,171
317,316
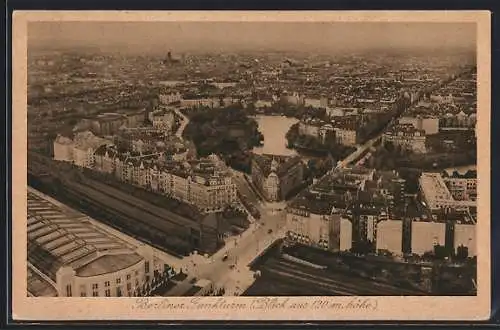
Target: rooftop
285,163
86,140
456,174
110,117
318,204
339,182
434,187
108,264
59,236
404,128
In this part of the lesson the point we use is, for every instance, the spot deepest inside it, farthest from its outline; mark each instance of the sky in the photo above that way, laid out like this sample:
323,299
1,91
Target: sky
236,36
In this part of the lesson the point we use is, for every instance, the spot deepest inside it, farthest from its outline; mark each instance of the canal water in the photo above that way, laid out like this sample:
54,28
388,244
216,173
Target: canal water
274,129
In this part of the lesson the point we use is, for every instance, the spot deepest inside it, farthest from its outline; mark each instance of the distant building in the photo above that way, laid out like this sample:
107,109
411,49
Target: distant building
348,182
292,98
346,130
324,102
406,137
430,125
368,221
310,127
63,147
196,102
345,136
264,103
107,124
163,120
337,112
465,235
443,99
78,148
462,187
135,118
421,235
313,102
437,195
169,97
73,257
276,176
392,186
327,131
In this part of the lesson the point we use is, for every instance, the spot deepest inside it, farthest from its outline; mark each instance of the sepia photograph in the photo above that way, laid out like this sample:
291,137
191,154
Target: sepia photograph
199,164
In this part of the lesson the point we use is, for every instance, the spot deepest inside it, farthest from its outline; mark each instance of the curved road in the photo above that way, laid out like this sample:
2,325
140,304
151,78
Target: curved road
185,122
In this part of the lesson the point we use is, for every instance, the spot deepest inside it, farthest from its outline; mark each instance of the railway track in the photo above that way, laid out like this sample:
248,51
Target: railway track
333,282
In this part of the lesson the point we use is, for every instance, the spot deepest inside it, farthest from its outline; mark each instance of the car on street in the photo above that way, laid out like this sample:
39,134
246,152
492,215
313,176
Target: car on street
269,231
224,258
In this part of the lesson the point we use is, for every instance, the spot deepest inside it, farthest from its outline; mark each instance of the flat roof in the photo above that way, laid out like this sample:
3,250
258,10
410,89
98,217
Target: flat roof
434,187
59,236
108,264
203,283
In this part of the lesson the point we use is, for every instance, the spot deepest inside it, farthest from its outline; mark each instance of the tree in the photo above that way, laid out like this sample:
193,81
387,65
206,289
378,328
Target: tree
389,163
462,252
251,109
428,255
389,146
440,252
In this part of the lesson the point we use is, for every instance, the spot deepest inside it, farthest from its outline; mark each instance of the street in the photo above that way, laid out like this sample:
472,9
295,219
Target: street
244,188
184,123
241,251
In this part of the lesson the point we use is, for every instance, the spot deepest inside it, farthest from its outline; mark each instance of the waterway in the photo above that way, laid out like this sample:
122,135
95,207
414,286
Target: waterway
274,129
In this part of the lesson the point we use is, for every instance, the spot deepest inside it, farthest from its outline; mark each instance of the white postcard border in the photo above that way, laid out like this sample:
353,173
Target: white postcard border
370,308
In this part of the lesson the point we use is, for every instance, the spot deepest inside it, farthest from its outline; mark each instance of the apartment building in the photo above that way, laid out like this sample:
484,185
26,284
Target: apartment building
163,119
78,148
318,224
428,124
390,236
436,194
276,176
205,183
407,137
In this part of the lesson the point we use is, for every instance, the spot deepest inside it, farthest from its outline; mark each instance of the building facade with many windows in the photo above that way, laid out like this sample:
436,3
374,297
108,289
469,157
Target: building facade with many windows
406,137
276,176
78,148
320,222
439,193
77,257
206,183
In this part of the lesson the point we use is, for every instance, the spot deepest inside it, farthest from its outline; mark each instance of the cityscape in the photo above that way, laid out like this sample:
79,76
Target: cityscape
251,159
